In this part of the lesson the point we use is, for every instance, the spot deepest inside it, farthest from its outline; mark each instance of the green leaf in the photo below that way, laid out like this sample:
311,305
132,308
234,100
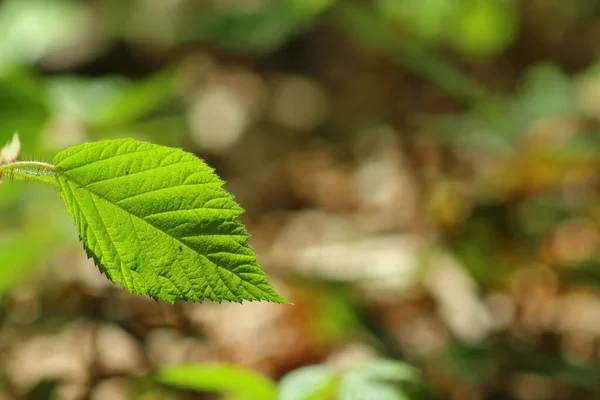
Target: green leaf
355,387
33,29
137,100
235,382
83,98
483,28
377,379
307,383
546,91
261,30
23,106
386,369
158,221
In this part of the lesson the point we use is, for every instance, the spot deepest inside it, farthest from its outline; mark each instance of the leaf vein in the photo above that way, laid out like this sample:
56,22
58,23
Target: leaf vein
114,246
179,240
111,159
156,190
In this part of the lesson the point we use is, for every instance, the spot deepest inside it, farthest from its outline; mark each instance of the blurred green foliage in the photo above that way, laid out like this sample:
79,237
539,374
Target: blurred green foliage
375,379
489,114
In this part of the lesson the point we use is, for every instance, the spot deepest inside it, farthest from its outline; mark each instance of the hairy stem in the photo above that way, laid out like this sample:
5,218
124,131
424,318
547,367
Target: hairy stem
36,170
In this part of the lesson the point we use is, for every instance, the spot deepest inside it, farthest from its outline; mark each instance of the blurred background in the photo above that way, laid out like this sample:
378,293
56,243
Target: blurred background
420,178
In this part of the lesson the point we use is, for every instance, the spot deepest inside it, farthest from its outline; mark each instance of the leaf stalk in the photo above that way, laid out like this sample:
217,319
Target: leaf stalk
35,170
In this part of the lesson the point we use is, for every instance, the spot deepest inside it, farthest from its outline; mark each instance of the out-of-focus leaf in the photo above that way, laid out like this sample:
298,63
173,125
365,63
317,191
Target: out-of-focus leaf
547,91
307,9
314,382
377,379
497,123
356,387
23,107
365,25
111,102
260,30
137,100
482,28
494,125
32,29
335,319
474,27
80,97
426,20
235,382
391,370
115,107
10,152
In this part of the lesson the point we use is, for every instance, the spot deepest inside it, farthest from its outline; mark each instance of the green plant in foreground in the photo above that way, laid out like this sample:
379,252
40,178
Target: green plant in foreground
153,218
380,379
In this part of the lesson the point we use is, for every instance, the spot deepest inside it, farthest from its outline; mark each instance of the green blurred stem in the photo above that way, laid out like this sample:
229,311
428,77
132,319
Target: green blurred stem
366,25
34,170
